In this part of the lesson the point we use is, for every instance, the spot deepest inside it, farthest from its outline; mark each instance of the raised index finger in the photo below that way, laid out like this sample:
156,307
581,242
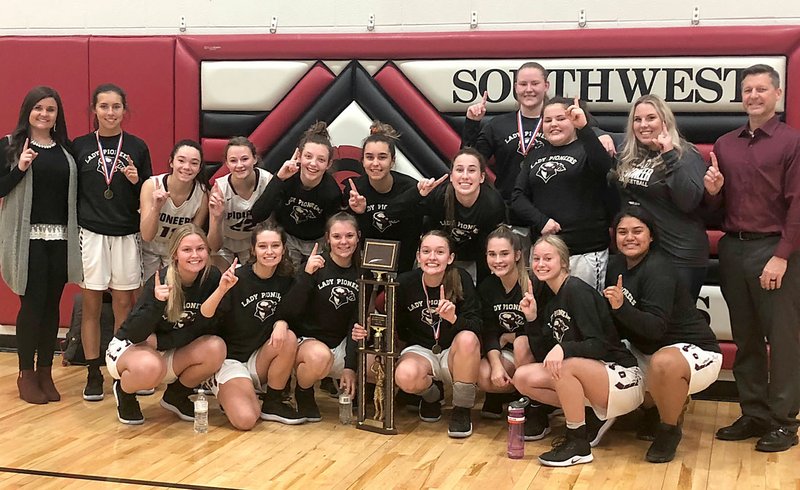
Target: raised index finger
440,180
314,250
576,102
296,155
714,162
25,146
485,97
352,185
441,294
619,281
232,268
158,277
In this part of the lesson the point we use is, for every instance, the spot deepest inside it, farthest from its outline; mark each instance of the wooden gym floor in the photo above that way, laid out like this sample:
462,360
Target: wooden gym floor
74,444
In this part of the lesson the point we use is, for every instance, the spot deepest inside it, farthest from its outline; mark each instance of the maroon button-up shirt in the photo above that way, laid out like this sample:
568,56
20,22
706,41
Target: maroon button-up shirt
762,182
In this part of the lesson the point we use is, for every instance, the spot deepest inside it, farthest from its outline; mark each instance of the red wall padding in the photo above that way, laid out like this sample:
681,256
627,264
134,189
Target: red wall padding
60,62
144,68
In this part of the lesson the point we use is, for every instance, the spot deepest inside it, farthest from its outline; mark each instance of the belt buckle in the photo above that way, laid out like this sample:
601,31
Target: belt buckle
740,236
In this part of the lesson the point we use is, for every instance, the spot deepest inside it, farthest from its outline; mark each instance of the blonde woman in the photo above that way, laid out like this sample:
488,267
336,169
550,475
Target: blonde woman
165,338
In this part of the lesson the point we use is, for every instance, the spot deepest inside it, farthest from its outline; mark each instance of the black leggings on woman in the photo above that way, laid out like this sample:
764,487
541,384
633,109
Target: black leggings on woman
37,320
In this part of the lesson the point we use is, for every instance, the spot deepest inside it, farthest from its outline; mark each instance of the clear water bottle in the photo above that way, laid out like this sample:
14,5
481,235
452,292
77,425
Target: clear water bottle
201,412
516,428
345,409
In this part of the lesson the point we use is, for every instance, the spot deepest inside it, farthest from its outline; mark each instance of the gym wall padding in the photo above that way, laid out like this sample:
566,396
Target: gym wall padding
162,77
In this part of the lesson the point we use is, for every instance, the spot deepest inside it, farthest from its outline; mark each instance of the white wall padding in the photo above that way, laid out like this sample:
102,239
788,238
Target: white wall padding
248,85
718,309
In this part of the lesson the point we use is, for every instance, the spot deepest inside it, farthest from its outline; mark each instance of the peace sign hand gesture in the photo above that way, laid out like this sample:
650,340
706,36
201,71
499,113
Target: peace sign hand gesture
476,111
577,115
290,167
357,202
27,156
614,294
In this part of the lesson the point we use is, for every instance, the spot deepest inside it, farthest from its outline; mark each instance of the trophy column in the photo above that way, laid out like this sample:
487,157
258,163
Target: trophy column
377,354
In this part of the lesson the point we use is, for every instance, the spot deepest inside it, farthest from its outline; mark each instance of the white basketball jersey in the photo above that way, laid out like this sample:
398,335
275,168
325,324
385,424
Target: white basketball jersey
238,222
171,217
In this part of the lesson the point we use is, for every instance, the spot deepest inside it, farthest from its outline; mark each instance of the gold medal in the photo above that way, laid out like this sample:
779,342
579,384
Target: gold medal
436,349
108,194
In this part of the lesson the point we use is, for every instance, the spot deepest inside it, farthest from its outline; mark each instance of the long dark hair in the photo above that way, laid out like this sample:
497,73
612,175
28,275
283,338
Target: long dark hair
453,289
285,266
22,132
102,88
201,177
450,191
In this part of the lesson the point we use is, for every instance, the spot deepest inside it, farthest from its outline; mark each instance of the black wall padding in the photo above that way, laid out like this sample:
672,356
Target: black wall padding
354,83
229,124
330,104
697,128
414,145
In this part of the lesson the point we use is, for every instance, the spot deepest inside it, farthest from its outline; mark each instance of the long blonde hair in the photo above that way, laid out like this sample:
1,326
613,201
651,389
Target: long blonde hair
177,298
635,152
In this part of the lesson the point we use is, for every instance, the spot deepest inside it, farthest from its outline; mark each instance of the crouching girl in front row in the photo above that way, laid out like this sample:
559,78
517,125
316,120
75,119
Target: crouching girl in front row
585,368
165,338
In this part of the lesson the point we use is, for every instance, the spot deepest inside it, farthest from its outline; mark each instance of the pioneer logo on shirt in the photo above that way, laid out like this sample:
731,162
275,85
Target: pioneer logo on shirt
381,222
510,321
515,136
303,210
559,324
550,166
108,159
341,295
460,232
265,309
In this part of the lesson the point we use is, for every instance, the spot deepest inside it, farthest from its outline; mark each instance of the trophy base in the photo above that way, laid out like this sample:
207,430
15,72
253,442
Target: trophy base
376,426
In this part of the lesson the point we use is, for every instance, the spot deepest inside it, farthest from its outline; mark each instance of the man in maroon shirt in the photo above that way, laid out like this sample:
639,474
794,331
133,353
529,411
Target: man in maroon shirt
755,177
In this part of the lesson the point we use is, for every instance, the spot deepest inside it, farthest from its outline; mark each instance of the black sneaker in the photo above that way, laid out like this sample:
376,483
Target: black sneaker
408,400
569,450
176,400
648,425
279,411
93,391
537,424
596,428
665,444
492,406
128,410
328,385
306,404
460,423
432,411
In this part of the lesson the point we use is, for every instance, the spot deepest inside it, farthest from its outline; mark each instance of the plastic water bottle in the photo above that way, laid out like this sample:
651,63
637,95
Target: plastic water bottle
516,428
201,412
345,409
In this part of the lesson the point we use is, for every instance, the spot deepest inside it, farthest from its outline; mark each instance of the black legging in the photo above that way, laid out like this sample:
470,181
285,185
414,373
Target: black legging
37,320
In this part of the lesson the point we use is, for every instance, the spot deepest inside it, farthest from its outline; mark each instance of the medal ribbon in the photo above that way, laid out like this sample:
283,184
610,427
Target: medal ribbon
522,146
438,326
108,174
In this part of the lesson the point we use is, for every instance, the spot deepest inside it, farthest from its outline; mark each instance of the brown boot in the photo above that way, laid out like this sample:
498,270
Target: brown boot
28,387
45,377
